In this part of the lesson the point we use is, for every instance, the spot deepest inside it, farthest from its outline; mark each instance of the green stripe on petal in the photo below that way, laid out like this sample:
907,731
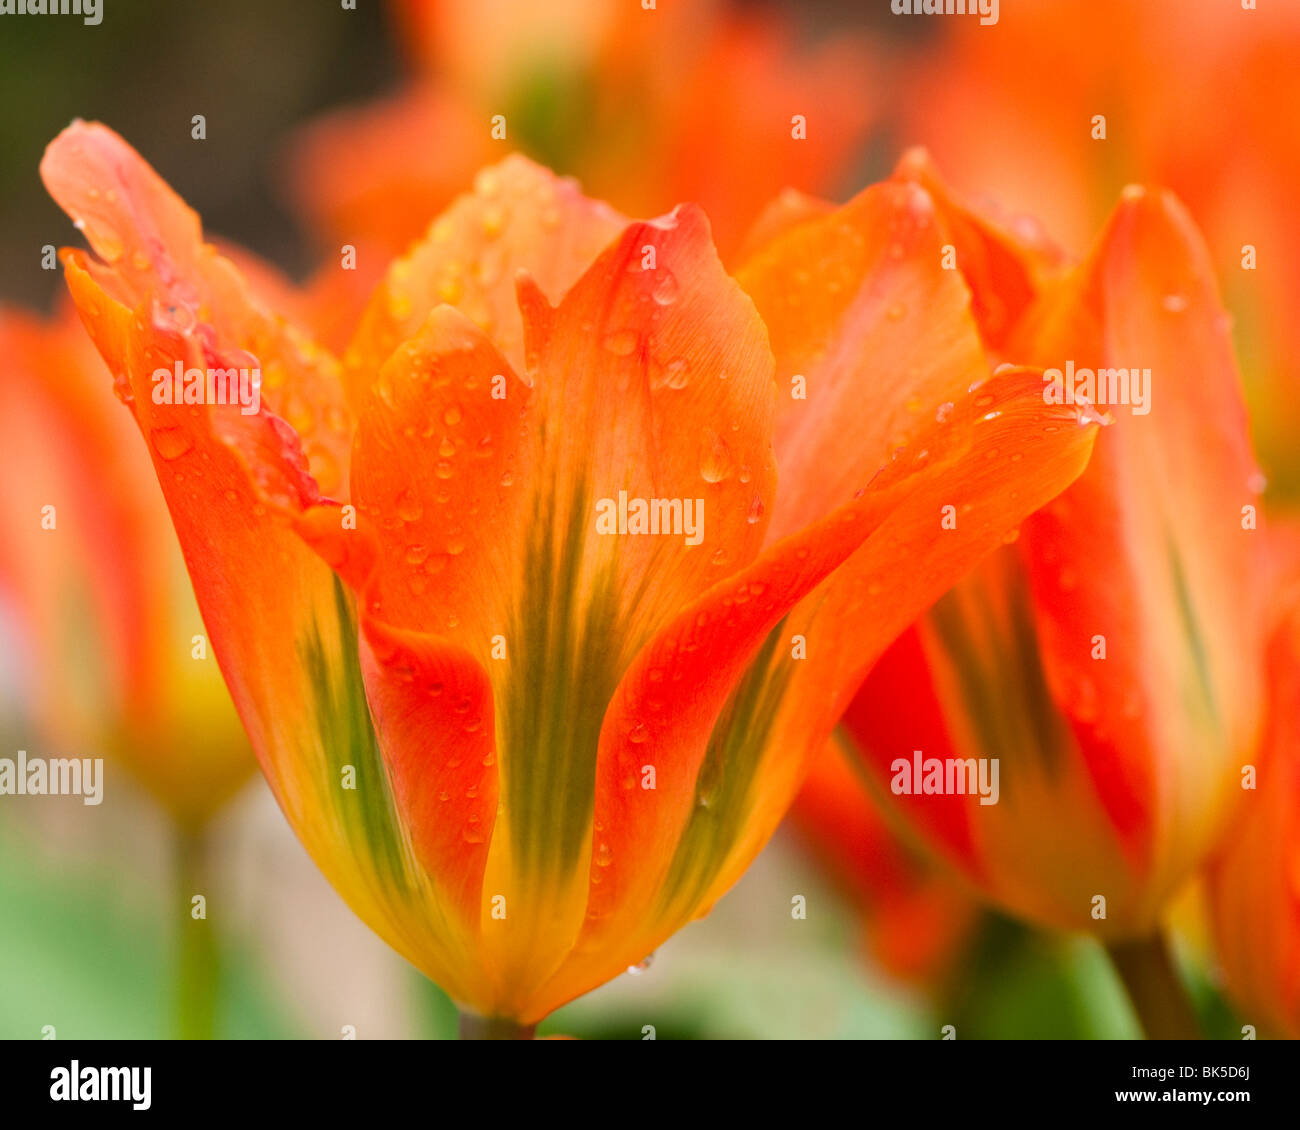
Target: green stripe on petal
723,788
365,813
565,650
993,660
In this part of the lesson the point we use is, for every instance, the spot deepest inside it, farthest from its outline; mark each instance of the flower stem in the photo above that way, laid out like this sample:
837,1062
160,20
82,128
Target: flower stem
197,965
474,1027
1156,990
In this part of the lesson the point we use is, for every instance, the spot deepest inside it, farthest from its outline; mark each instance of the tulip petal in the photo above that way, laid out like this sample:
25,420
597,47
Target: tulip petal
150,244
519,217
1004,262
442,441
237,486
870,346
653,383
1152,551
1255,881
790,209
432,709
967,685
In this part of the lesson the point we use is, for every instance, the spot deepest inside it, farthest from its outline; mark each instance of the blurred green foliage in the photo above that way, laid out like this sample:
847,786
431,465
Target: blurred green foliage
74,956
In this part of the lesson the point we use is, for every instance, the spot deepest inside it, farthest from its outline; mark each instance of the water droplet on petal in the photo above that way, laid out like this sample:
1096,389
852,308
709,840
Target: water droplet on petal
409,506
716,462
170,443
675,374
665,291
641,966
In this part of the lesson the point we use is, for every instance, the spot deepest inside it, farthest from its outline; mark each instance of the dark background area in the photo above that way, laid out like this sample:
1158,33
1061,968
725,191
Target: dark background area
256,69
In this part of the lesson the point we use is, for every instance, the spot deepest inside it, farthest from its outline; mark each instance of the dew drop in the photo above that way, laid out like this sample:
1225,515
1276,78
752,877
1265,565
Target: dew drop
641,966
665,291
170,443
716,462
409,507
675,374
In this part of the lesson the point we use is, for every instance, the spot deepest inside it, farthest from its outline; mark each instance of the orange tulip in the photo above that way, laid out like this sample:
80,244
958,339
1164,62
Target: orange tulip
530,747
106,623
1108,665
1200,97
1254,882
683,102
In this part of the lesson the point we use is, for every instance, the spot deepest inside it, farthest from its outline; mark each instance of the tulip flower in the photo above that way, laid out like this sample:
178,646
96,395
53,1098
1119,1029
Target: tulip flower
525,738
1254,882
1106,669
1199,97
114,656
647,107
